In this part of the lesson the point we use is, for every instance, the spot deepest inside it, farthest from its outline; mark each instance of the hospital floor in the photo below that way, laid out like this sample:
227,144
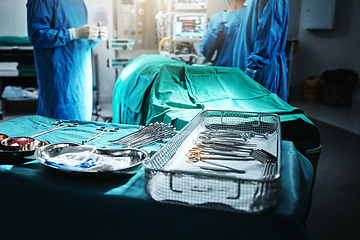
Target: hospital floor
336,193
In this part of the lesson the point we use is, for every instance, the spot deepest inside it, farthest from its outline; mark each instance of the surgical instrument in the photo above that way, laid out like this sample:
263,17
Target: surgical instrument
59,125
199,159
262,155
151,133
128,135
133,135
217,152
245,135
226,143
99,26
223,147
219,157
149,130
102,131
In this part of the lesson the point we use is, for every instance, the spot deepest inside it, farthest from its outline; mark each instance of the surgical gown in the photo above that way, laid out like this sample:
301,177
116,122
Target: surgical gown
260,44
63,66
216,45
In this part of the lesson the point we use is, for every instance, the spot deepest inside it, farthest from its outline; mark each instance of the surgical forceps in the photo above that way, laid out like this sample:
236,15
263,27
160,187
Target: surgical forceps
195,159
219,155
231,134
221,147
59,125
225,143
102,131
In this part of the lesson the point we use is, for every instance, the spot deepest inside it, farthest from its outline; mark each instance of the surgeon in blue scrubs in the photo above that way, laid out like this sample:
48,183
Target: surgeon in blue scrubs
260,44
217,44
62,41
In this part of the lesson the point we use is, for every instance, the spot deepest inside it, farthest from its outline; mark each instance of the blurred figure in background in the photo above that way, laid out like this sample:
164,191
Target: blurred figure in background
62,42
218,42
259,48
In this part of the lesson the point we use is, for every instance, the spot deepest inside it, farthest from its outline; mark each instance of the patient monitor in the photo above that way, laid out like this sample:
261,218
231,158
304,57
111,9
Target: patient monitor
190,4
189,27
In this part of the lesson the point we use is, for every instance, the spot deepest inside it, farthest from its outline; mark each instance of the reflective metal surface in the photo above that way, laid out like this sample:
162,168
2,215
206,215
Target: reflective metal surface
18,144
3,136
21,151
129,158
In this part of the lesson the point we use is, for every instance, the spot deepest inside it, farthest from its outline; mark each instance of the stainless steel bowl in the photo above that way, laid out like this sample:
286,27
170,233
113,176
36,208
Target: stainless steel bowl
20,152
18,144
3,136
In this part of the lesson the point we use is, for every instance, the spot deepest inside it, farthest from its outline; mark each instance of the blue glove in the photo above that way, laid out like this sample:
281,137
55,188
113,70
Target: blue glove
221,28
250,72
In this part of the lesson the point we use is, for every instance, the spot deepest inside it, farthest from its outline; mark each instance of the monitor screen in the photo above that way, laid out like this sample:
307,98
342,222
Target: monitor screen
127,2
189,27
190,4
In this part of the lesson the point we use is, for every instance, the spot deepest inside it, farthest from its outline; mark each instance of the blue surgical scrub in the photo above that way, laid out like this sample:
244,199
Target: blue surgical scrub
217,44
63,65
260,44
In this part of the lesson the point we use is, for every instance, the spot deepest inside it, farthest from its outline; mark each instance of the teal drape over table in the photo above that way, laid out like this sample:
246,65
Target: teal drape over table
156,88
12,41
180,91
40,204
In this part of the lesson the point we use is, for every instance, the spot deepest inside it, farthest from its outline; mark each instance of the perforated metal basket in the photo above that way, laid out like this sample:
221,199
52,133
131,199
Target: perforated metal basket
166,183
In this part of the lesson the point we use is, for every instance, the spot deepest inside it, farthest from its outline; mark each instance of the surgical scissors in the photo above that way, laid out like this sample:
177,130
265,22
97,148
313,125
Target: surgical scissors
102,131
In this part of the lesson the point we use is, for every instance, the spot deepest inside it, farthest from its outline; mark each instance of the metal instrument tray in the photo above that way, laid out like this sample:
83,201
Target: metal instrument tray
169,178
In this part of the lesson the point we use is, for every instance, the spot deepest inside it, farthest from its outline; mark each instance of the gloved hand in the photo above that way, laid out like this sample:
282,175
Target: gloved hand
84,32
250,72
220,28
